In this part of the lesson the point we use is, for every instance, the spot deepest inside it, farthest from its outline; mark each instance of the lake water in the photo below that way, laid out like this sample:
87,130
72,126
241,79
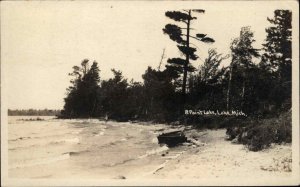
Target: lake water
89,148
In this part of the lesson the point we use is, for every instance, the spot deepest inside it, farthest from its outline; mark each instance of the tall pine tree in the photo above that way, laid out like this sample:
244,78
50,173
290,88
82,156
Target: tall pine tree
277,58
82,99
183,66
277,55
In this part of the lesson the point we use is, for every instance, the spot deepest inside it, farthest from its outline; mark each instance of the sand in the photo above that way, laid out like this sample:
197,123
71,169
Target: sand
219,158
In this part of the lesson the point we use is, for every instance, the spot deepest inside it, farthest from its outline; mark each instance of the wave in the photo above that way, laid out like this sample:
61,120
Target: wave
76,153
148,153
70,140
41,161
20,138
100,134
24,147
42,137
154,151
56,142
118,163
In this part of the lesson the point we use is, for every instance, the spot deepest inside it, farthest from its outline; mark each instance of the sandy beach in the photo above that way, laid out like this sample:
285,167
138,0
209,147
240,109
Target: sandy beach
93,149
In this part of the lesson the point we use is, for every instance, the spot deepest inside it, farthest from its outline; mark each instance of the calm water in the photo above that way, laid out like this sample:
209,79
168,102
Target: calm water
89,148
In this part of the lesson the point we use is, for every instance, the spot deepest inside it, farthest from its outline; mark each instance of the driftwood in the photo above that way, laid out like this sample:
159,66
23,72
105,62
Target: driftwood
172,139
196,142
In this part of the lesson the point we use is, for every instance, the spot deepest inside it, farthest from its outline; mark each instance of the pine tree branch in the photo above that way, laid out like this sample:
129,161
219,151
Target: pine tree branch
192,37
186,28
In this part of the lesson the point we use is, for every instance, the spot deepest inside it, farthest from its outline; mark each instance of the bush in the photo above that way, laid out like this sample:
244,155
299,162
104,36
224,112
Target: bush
258,138
284,128
211,122
260,134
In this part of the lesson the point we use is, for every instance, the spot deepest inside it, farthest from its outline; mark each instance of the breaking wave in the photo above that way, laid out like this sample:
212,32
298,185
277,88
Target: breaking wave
154,151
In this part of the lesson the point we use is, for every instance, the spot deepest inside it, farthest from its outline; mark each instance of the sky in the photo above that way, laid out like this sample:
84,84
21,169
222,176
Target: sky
42,41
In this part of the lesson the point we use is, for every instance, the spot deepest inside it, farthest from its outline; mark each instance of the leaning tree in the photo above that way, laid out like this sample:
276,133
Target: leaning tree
182,36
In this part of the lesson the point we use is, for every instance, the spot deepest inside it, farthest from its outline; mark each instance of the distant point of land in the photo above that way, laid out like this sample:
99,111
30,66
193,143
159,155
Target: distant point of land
33,112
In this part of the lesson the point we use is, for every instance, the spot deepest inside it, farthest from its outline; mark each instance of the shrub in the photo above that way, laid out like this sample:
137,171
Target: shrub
260,134
258,138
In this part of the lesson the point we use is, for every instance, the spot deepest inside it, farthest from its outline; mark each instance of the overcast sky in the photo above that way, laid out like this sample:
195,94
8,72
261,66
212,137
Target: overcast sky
42,41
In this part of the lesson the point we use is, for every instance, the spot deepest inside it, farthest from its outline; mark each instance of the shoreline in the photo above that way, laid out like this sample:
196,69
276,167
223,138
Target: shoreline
117,151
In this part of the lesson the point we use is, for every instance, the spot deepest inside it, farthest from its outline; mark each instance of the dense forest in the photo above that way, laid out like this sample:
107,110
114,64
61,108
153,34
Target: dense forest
33,112
261,90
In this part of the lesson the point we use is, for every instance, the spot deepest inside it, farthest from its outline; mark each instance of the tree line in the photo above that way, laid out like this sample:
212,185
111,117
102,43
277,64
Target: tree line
34,112
257,89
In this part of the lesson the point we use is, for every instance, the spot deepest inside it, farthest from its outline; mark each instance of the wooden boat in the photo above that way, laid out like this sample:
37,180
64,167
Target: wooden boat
172,139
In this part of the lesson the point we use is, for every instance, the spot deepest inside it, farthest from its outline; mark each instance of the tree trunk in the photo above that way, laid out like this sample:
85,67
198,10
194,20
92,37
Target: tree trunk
186,64
229,88
243,92
162,57
92,111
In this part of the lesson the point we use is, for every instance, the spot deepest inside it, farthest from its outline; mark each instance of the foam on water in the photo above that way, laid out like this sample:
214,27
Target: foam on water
154,151
72,140
155,140
100,134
